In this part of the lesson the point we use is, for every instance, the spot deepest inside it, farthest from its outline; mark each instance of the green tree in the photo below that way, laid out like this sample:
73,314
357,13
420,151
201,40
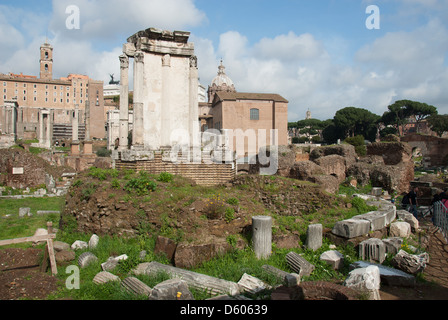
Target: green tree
438,123
400,111
357,121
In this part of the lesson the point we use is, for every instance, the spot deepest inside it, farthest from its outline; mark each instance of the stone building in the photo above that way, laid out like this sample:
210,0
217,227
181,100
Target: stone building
43,107
250,120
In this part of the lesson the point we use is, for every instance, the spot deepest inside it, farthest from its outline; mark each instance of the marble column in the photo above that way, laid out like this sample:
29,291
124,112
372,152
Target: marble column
137,137
41,126
166,129
75,136
193,121
124,102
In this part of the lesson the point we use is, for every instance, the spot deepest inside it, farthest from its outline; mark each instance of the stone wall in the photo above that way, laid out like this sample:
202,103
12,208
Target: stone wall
433,149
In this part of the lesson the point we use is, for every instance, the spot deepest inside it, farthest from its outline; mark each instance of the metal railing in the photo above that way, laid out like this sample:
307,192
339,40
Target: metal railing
440,217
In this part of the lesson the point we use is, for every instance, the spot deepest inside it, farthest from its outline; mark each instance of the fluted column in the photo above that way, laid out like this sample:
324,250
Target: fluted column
137,139
124,102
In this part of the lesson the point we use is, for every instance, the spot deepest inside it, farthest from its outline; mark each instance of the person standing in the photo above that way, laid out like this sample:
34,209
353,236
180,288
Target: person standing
412,207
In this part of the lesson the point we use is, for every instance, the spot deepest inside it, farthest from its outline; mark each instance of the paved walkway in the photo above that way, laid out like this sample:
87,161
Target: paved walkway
437,268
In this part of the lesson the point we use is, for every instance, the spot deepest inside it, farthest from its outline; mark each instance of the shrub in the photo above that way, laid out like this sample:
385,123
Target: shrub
215,207
141,185
229,214
103,153
165,177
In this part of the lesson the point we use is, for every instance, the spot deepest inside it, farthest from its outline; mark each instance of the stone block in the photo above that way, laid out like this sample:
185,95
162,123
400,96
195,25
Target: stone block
252,284
104,277
373,250
351,228
24,212
408,217
389,276
65,256
166,246
410,263
172,289
393,245
93,242
79,245
86,259
299,264
60,246
334,258
377,219
365,280
314,236
112,262
400,229
135,286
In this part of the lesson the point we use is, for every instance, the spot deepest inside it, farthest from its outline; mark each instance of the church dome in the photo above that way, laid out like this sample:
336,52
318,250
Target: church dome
222,81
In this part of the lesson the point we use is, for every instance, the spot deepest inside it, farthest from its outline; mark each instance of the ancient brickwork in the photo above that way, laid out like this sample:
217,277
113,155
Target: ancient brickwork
201,173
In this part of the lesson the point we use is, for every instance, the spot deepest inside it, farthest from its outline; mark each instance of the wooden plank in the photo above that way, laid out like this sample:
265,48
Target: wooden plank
54,269
27,239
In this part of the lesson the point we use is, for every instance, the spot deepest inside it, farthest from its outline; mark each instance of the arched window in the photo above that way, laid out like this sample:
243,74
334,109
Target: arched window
46,54
254,114
46,67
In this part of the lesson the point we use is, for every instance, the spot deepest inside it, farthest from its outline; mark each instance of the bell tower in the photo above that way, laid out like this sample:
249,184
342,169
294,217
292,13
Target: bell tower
46,61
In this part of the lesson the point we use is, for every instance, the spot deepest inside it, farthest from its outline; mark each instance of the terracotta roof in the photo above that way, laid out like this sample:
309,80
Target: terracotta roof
222,95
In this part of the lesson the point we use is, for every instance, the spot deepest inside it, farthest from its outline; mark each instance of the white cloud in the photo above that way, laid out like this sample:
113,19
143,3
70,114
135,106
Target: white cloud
111,19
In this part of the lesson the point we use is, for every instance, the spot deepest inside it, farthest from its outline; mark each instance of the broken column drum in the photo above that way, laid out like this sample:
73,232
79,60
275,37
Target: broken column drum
262,236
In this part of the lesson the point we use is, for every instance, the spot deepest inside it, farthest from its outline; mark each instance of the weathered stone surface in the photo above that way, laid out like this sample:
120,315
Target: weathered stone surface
86,258
378,219
135,286
366,280
289,279
314,236
393,245
79,245
93,242
373,250
389,276
193,279
190,255
400,229
289,241
304,170
262,236
112,262
172,289
299,264
104,277
409,218
347,151
166,246
351,228
65,256
60,246
252,284
334,258
333,165
392,152
24,212
410,263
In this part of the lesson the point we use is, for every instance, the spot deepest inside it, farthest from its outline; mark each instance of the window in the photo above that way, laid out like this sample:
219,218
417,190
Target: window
46,67
254,114
35,99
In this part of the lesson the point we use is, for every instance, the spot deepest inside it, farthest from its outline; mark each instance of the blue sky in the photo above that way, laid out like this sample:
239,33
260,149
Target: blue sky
317,54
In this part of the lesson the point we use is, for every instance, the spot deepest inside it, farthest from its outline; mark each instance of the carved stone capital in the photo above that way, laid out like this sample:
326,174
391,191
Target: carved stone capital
193,62
124,61
139,56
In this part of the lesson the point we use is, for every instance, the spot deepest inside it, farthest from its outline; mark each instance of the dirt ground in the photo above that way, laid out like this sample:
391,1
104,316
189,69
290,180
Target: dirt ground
21,278
20,275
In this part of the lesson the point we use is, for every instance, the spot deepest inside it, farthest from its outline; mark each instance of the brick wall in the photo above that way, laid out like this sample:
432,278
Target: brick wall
433,149
202,174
